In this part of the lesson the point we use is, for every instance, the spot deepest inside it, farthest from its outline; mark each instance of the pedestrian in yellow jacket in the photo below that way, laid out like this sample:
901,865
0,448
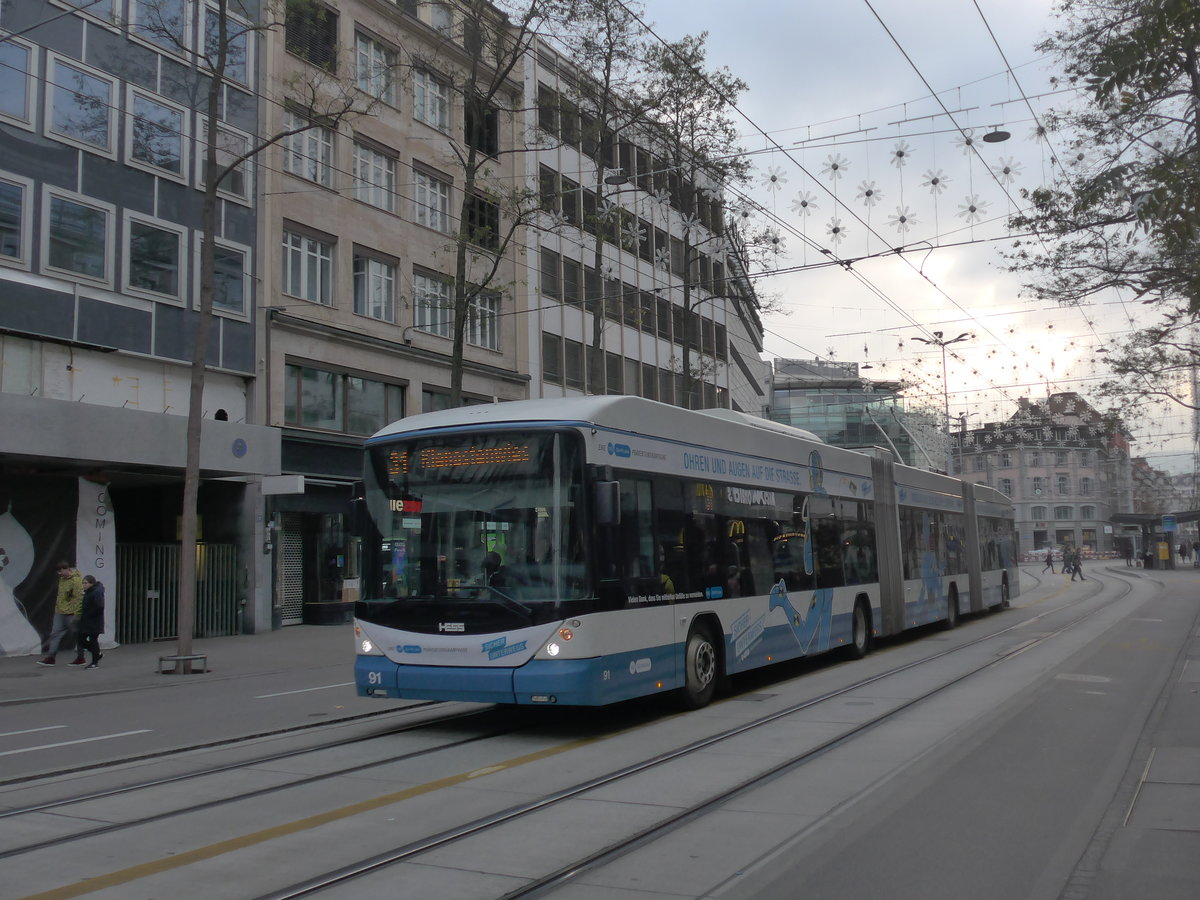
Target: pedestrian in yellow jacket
67,607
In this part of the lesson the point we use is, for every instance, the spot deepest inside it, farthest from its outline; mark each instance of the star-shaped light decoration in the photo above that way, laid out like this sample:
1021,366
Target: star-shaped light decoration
663,198
775,239
965,141
972,209
804,204
608,271
690,223
835,166
869,193
662,258
936,180
901,154
744,210
632,234
775,179
903,219
1006,170
836,230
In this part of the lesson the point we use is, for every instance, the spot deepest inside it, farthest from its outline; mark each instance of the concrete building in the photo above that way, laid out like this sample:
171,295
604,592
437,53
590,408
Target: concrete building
608,308
360,222
101,182
1065,466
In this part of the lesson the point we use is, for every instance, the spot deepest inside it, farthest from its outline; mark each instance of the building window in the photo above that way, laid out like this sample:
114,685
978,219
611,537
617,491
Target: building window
482,129
310,32
1062,483
1006,460
433,304
552,358
1087,512
1039,484
237,44
82,106
1035,458
153,259
551,281
1085,458
100,9
307,268
431,100
374,177
374,67
17,82
431,201
163,23
1085,486
15,221
1038,513
232,145
77,237
573,363
483,321
309,152
1006,486
1063,513
315,398
441,17
1061,457
374,288
483,222
230,272
156,135
980,463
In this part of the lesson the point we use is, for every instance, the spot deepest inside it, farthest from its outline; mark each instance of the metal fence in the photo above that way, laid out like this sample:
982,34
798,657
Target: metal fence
147,591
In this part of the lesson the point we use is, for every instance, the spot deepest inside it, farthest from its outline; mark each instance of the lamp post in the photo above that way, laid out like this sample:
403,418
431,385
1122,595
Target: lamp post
938,341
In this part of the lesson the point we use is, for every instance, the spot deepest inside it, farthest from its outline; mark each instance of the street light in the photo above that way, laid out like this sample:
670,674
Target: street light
938,341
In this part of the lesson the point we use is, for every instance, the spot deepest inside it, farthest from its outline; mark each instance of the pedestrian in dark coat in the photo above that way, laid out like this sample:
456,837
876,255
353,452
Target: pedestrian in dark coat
91,620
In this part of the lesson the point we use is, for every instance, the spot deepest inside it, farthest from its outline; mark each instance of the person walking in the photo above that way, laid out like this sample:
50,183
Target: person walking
1049,562
1077,566
91,620
67,606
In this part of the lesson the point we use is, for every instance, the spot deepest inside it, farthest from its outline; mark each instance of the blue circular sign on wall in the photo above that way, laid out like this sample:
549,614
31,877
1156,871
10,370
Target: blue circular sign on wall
239,448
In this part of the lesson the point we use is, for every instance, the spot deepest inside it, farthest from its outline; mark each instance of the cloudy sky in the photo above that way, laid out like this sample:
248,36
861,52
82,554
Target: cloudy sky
870,160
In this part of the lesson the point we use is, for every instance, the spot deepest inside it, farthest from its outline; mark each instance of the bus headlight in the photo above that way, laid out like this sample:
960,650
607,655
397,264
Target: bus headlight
367,646
552,649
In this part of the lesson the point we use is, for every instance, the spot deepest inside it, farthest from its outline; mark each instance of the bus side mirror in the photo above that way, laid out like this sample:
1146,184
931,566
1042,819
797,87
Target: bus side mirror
608,502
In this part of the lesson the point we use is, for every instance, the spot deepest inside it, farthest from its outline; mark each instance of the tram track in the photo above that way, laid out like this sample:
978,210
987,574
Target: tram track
616,849
151,784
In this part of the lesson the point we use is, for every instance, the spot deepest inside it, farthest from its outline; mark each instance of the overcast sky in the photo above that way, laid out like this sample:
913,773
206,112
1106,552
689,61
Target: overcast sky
838,79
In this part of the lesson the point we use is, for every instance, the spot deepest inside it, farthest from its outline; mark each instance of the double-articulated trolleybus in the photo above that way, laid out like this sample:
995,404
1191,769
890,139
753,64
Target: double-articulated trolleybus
586,551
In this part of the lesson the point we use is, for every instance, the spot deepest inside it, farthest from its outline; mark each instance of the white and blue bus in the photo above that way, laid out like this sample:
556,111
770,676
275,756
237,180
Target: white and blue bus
586,551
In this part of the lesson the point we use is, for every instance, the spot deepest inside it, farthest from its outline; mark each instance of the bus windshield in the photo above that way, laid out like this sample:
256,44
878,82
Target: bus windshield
484,526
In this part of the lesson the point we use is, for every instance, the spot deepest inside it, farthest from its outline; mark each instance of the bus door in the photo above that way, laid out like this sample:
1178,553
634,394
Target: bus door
887,543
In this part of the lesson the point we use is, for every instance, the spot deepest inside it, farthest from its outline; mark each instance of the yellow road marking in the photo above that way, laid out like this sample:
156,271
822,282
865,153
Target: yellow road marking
186,858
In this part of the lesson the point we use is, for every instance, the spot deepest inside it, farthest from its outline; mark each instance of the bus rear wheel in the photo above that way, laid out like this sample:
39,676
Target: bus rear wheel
951,619
700,669
860,634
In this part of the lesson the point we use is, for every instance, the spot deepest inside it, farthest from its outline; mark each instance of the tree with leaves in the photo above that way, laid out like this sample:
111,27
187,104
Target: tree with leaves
1123,214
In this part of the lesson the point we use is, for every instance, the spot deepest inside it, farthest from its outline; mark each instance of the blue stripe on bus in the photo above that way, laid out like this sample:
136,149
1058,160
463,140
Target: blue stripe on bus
569,682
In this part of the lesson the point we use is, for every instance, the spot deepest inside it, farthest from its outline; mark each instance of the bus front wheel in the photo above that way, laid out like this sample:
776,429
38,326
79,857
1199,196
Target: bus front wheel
700,669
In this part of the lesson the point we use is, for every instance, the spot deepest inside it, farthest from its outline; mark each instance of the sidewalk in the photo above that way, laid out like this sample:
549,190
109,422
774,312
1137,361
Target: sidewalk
135,666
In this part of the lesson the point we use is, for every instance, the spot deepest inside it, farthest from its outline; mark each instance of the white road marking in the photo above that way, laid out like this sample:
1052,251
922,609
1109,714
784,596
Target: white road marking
31,730
323,687
103,737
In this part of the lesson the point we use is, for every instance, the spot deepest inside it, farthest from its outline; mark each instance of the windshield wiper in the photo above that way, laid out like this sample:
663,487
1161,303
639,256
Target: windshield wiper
514,605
